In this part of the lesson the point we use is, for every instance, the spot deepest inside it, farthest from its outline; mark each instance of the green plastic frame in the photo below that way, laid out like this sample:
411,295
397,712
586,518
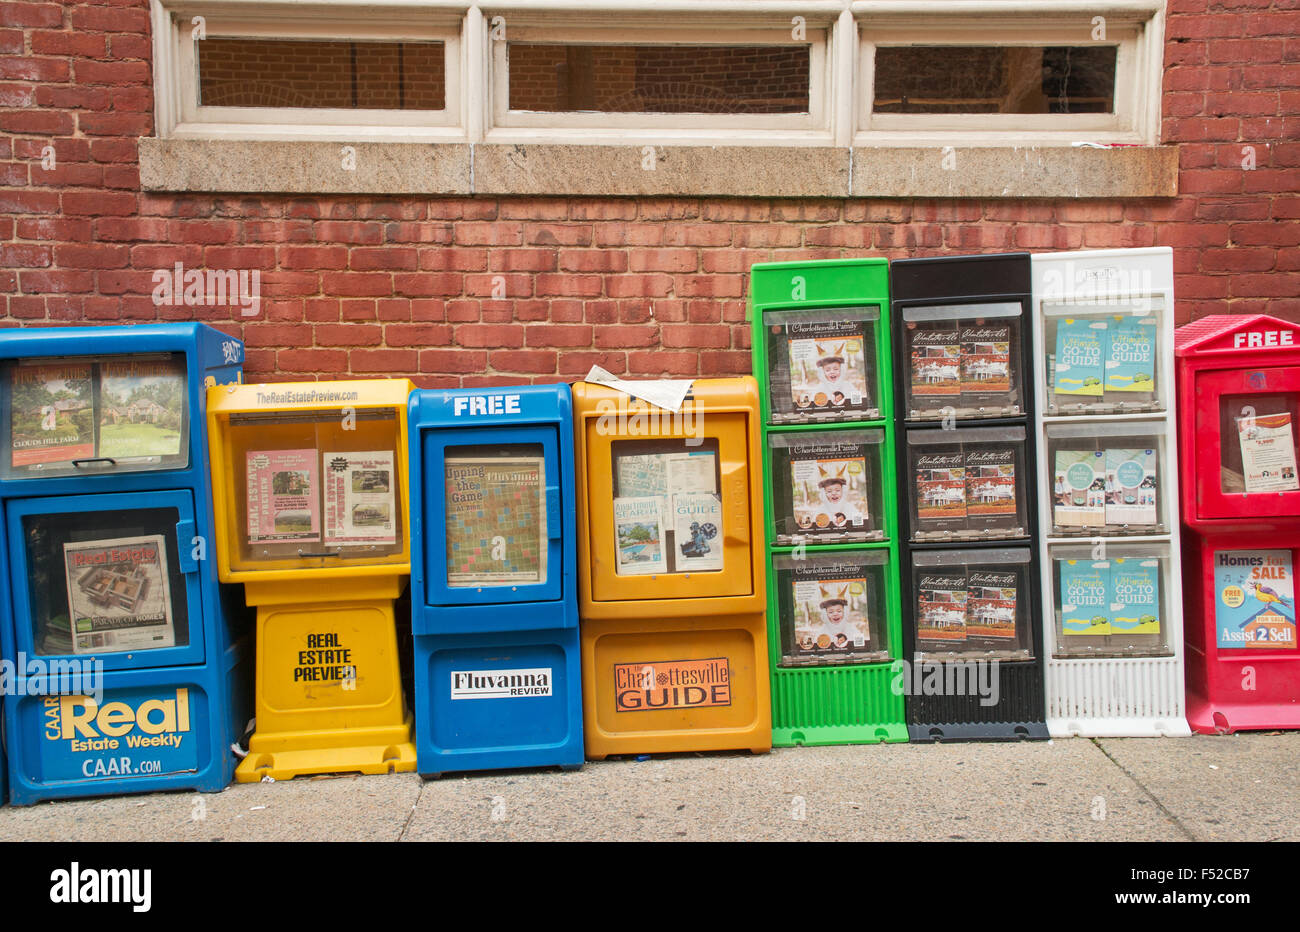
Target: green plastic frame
842,703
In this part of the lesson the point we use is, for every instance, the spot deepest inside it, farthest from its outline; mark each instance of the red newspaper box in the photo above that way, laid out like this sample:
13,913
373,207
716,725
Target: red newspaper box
1238,427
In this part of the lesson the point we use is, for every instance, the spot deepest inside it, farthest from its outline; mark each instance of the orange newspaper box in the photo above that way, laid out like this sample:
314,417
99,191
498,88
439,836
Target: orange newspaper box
672,583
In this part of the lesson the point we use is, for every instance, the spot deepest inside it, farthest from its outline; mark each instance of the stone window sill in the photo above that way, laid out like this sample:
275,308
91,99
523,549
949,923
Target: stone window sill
393,168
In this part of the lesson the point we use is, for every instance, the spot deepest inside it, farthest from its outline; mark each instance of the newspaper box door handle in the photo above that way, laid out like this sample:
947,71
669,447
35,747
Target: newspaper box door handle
553,530
736,523
184,537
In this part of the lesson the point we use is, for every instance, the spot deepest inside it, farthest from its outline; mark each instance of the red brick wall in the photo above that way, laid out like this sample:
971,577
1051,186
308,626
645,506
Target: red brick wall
366,286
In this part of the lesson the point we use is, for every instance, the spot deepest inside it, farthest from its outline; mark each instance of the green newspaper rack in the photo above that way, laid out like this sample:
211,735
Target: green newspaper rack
821,345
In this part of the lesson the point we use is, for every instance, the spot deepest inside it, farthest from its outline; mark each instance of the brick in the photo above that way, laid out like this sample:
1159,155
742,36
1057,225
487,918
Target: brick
714,286
1193,235
121,45
695,336
115,124
388,362
358,309
98,204
1224,129
452,360
1266,285
357,284
463,311
115,73
1265,234
108,150
705,312
490,335
1281,23
348,334
1119,236
239,257
911,236
629,234
499,286
1210,181
346,231
37,122
664,260
115,19
22,255
131,229
266,334
697,234
417,334
600,312
28,308
454,260
17,95
602,209
278,231
668,209
101,256
856,236
766,234
626,336
311,360
538,208
729,363
57,280
578,335
557,234
321,310
289,285
386,257
593,260
31,68
653,285
1231,208
30,14
490,234
524,361
393,309
1238,259
207,233
153,256
562,283
579,364
523,260
662,365
736,211
428,284
1053,238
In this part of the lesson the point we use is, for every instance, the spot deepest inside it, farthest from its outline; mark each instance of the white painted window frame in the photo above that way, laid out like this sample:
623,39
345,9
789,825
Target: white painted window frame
843,35
811,127
1134,27
179,114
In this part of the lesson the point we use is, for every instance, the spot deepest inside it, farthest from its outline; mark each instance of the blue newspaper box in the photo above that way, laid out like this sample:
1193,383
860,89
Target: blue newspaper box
130,662
493,585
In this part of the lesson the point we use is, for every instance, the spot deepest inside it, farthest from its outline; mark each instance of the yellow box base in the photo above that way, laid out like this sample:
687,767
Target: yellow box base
369,751
329,693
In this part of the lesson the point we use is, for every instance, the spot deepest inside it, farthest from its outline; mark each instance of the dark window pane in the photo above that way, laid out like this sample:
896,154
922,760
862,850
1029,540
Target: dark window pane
659,78
133,602
973,79
313,75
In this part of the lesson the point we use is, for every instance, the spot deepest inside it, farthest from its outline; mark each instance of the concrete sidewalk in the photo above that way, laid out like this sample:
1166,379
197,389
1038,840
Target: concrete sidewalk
1230,788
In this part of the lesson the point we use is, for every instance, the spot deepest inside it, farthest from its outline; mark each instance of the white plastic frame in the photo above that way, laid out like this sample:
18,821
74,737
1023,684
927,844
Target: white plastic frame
1112,697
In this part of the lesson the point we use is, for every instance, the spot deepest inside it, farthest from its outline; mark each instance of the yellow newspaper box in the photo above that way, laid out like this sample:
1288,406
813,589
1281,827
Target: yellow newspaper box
671,584
310,485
